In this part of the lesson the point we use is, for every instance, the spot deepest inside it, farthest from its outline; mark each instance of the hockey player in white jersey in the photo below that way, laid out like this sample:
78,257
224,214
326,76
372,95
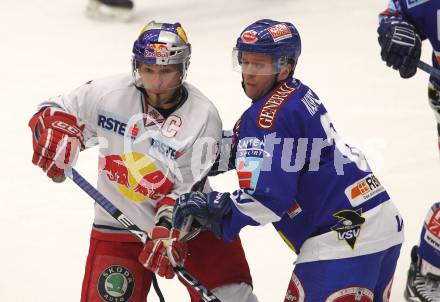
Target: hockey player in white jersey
151,128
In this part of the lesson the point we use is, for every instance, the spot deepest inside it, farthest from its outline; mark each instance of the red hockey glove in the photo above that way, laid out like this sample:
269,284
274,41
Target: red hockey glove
154,254
57,138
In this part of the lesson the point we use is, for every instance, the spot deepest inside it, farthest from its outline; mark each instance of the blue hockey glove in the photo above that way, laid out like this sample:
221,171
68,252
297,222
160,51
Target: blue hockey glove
208,209
401,45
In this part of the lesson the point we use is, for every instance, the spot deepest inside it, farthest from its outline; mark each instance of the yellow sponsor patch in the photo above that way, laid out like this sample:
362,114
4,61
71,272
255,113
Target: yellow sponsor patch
182,34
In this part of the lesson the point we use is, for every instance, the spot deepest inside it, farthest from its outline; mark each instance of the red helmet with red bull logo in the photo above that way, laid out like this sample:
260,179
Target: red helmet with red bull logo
161,44
281,40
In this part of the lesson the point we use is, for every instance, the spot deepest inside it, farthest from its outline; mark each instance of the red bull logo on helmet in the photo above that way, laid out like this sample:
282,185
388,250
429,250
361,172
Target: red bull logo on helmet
136,176
156,51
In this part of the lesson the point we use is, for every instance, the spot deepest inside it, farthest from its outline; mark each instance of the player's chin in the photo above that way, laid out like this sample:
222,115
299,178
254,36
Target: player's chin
252,91
159,95
158,91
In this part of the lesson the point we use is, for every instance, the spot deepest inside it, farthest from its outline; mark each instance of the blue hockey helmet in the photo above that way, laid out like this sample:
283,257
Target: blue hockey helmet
161,44
281,40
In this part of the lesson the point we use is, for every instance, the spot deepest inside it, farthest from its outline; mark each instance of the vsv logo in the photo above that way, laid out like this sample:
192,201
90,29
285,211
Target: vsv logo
349,234
349,225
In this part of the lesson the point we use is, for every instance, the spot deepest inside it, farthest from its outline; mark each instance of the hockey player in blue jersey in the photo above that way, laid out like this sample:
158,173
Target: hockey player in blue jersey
403,25
402,28
296,172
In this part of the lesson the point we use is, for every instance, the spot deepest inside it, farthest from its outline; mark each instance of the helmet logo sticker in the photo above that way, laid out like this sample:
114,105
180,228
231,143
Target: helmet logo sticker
144,29
181,33
280,32
156,51
249,36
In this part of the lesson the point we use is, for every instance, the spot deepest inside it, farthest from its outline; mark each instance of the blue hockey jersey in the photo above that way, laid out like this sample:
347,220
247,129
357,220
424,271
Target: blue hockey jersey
297,173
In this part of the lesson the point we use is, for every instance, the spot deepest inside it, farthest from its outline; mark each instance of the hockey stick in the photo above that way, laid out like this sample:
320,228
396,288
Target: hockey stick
429,69
110,208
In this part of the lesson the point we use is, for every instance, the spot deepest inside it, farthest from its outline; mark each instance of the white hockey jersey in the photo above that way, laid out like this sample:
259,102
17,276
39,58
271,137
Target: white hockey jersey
146,161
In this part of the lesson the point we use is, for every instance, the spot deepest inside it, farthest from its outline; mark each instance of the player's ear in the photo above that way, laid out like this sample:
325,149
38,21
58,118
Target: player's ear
284,72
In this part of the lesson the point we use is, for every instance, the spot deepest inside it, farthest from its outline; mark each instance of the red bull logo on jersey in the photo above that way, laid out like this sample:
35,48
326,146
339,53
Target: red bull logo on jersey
114,167
363,190
136,176
351,294
156,51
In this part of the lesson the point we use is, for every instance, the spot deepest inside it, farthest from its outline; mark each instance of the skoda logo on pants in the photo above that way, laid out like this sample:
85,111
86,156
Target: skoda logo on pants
116,284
